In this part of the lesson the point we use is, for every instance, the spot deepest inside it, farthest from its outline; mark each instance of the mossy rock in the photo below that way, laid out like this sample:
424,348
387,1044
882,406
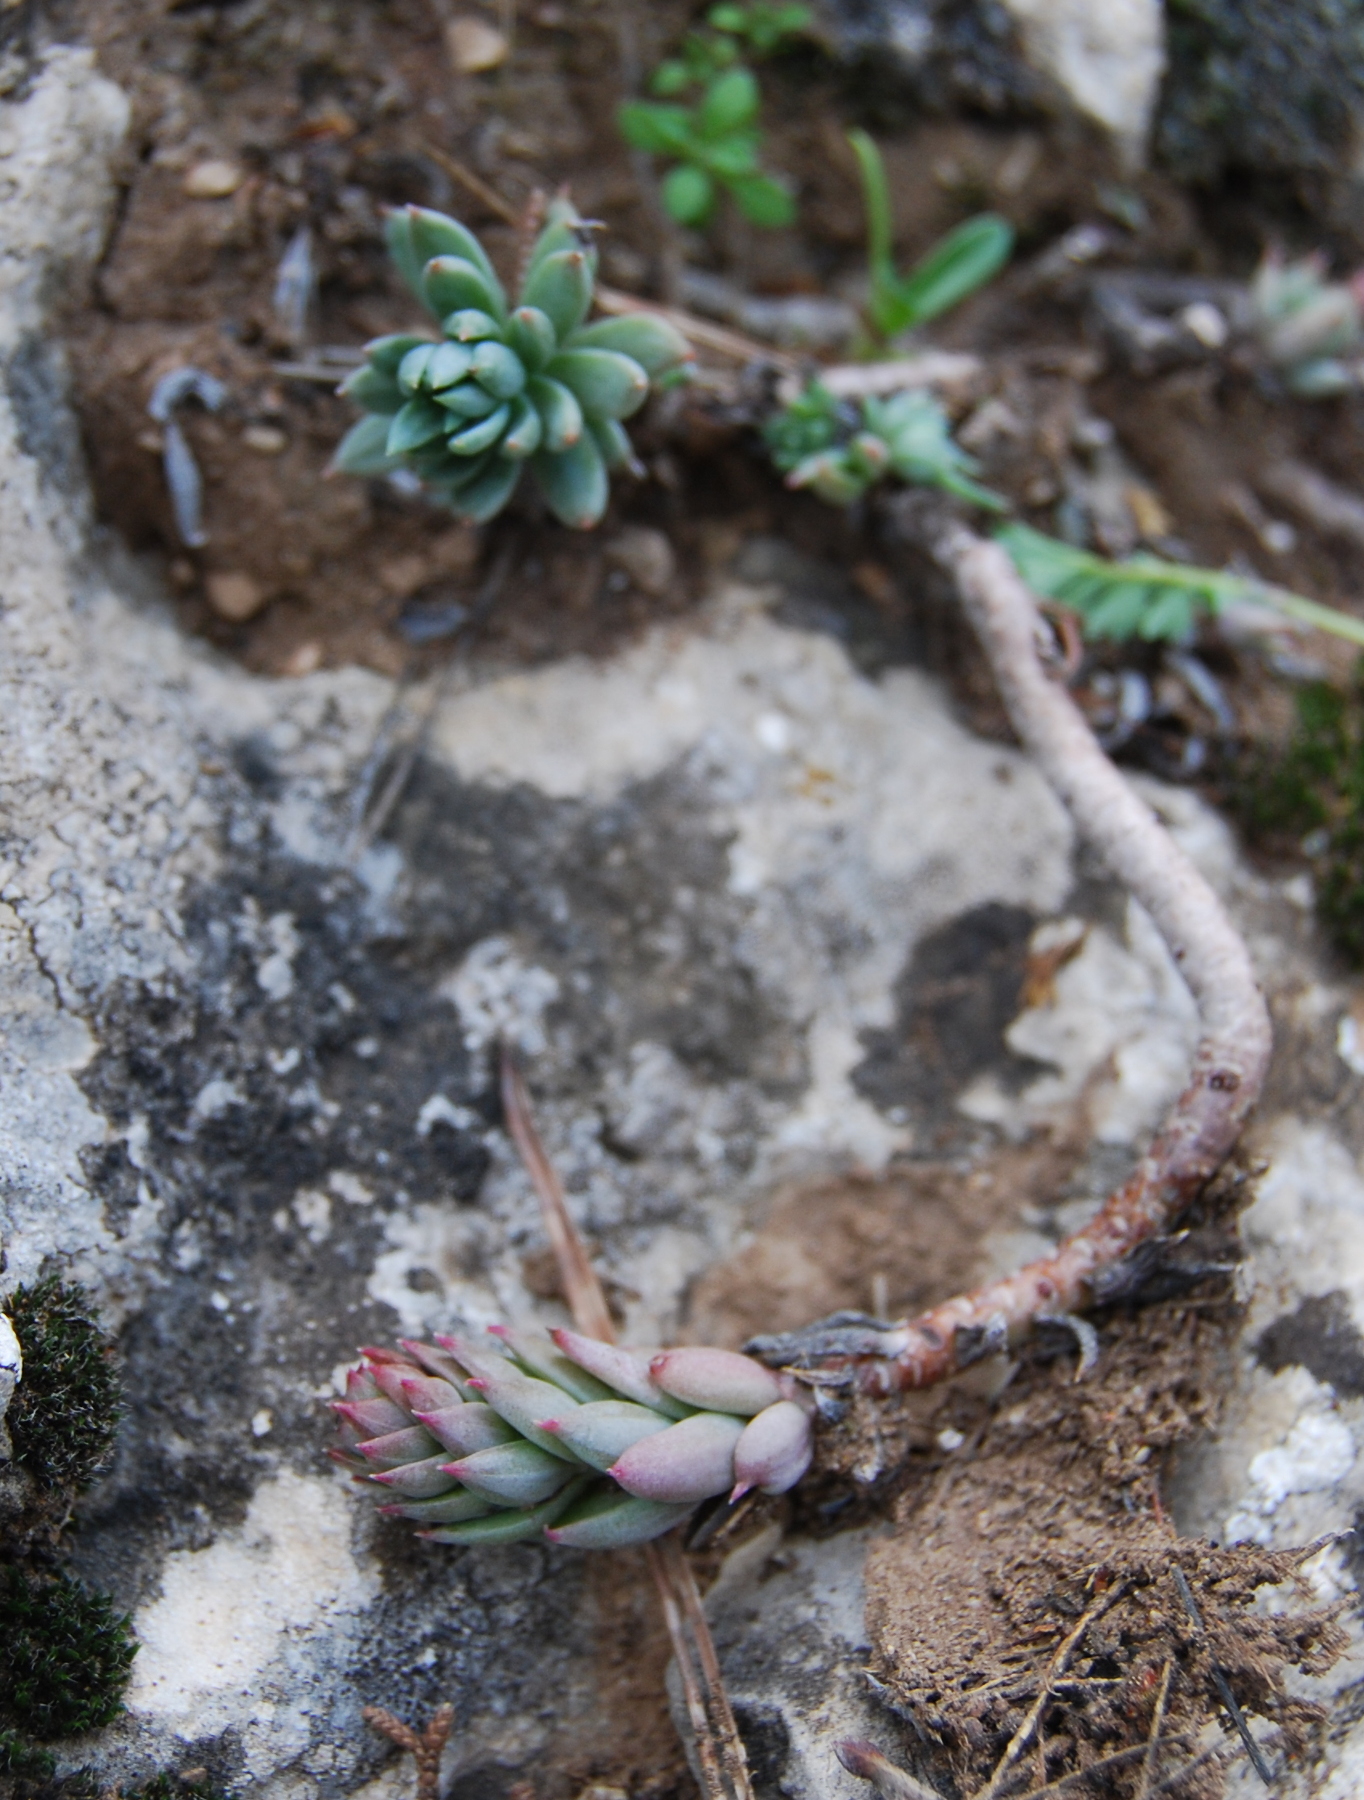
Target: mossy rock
65,1656
65,1411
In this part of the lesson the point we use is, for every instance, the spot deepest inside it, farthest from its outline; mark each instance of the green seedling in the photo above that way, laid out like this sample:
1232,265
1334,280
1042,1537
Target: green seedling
954,268
839,450
1147,597
505,388
1307,326
714,143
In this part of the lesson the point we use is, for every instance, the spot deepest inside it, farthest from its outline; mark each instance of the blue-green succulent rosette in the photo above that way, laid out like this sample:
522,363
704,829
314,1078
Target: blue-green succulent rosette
505,387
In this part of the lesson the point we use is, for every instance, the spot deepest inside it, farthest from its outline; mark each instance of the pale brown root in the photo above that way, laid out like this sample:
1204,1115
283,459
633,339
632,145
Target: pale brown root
425,1747
719,1748
1232,1056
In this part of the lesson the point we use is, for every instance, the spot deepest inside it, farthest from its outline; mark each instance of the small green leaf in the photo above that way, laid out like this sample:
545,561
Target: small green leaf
653,343
482,499
607,384
364,449
688,194
479,436
525,430
418,422
614,443
669,78
533,337
386,353
373,389
412,369
559,411
661,130
470,325
449,365
451,284
467,401
730,158
436,234
574,483
498,369
764,201
561,288
731,102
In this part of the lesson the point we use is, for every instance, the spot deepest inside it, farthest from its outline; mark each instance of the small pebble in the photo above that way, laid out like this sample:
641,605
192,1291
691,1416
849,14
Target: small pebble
306,657
262,1423
267,440
475,45
214,179
234,595
646,556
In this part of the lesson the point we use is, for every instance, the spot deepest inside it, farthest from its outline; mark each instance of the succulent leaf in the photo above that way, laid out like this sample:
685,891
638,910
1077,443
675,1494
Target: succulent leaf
445,1509
525,431
602,1430
371,388
559,411
436,234
485,496
412,369
449,366
607,384
421,1480
450,284
537,1355
468,1427
471,325
719,1380
364,449
688,1462
498,369
612,439
515,1474
624,1370
609,1520
511,1527
395,1447
532,335
561,287
574,482
519,1399
481,435
417,423
650,341
467,400
774,1450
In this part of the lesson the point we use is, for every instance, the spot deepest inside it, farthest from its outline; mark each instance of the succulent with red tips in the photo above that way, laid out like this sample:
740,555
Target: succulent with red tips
498,1438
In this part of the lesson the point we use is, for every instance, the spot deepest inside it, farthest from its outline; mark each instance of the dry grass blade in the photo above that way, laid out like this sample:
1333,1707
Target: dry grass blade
719,1748
1018,1743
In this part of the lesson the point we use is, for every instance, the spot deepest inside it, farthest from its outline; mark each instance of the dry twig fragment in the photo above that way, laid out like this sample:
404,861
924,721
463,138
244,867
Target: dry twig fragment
425,1748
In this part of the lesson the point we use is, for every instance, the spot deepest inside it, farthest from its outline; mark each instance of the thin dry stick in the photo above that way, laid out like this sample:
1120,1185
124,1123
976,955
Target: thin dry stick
719,1748
1112,1761
1148,1771
425,1748
1232,1055
1220,1682
1018,1743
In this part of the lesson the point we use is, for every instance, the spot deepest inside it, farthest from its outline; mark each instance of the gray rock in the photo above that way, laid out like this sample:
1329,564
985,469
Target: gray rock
247,1093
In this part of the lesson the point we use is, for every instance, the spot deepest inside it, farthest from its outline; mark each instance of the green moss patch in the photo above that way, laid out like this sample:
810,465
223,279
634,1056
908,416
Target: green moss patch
66,1409
65,1656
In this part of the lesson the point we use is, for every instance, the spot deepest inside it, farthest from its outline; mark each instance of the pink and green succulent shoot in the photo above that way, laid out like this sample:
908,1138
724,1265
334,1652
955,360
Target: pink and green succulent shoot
518,1434
504,388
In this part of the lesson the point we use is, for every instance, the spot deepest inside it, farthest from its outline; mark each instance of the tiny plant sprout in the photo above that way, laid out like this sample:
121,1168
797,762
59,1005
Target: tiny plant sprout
506,387
491,1440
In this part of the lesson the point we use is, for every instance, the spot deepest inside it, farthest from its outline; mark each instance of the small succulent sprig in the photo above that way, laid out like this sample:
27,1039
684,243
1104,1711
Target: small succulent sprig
504,388
1151,598
715,143
840,450
497,1440
954,268
1307,326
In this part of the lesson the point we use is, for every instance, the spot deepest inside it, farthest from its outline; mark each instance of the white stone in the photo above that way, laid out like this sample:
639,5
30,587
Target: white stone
1108,57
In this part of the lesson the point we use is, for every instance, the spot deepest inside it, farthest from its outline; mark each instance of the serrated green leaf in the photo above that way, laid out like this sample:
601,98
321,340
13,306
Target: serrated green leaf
559,412
574,482
371,388
730,103
688,194
561,288
364,449
607,384
417,423
450,284
653,343
532,335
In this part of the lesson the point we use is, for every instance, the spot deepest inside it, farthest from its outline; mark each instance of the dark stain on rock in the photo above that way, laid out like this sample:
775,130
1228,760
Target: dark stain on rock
1319,1335
955,1000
